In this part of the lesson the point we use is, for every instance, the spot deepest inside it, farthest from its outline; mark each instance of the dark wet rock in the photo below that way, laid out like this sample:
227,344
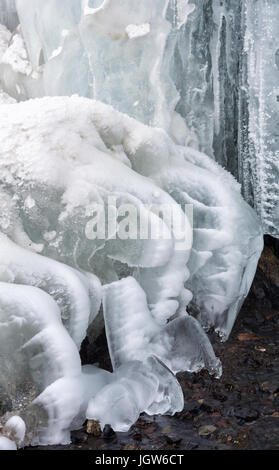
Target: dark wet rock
79,437
273,243
5,403
246,414
173,440
210,406
259,292
271,386
192,407
267,411
192,446
219,396
266,307
207,430
137,436
108,432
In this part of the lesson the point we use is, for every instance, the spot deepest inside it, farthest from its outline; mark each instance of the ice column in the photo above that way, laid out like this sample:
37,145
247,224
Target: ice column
8,14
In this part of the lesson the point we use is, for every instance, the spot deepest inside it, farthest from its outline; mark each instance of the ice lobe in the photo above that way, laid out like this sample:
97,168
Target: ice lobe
133,333
139,386
221,261
77,294
79,179
66,156
15,428
36,347
226,243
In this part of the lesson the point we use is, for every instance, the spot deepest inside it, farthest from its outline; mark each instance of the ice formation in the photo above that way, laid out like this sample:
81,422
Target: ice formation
226,70
211,65
67,154
122,142
8,14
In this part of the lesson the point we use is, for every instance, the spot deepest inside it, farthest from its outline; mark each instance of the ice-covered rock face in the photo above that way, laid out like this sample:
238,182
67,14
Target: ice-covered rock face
259,141
214,63
62,158
58,158
226,70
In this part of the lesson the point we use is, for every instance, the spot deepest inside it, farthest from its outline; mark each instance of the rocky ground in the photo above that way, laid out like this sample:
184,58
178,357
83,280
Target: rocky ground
239,411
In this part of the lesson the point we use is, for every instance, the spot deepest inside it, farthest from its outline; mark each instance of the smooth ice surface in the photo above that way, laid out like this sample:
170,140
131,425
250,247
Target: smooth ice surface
139,386
8,14
133,333
133,74
7,444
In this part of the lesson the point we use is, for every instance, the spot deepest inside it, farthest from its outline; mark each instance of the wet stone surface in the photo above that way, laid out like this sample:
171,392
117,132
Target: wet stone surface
239,411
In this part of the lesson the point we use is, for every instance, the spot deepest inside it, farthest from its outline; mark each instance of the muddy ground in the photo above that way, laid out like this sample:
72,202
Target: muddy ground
239,411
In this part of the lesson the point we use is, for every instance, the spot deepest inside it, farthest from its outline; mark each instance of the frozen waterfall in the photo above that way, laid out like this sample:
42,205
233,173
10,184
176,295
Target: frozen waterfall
214,63
116,106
